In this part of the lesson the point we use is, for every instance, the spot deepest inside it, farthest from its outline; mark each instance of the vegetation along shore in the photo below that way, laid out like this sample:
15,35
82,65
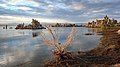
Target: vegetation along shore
106,54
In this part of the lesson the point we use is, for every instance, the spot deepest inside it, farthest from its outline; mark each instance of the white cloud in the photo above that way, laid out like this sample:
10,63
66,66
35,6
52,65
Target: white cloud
15,7
19,19
24,8
95,1
34,12
24,2
77,6
3,5
97,11
98,1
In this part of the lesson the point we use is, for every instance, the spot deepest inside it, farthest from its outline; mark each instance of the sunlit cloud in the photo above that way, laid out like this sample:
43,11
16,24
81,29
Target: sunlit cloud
24,8
58,10
77,6
3,5
17,19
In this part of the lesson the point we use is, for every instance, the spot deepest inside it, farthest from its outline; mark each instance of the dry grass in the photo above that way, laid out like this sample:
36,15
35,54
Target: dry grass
55,42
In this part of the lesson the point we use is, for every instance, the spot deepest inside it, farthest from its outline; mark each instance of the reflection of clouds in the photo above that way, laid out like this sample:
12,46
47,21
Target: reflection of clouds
40,56
60,32
16,54
13,33
5,59
2,60
37,46
5,46
36,33
17,50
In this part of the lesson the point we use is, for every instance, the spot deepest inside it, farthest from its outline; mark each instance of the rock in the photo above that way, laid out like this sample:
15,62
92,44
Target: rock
35,25
118,31
10,28
3,27
89,34
116,65
100,33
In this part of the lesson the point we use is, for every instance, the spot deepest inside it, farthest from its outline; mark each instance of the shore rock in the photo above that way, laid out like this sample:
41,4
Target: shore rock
35,25
118,31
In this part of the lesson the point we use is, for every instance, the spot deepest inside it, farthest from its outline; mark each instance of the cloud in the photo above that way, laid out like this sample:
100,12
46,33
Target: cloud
23,2
20,19
77,6
95,1
99,10
65,10
24,8
3,5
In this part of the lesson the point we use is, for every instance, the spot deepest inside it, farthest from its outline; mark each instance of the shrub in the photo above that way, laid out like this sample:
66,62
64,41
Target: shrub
59,48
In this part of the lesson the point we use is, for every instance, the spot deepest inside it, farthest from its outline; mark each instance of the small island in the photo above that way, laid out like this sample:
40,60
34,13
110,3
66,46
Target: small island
35,25
106,21
66,25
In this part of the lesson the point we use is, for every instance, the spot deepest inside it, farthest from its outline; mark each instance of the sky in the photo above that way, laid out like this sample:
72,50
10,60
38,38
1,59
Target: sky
57,11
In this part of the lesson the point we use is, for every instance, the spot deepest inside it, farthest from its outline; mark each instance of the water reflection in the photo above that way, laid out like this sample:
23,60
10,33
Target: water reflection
95,31
26,49
35,34
14,55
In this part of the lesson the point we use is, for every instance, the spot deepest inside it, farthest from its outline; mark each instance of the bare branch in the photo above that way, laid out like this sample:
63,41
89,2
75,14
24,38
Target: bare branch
55,39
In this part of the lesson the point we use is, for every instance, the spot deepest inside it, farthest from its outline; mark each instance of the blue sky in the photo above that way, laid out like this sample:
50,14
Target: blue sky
52,11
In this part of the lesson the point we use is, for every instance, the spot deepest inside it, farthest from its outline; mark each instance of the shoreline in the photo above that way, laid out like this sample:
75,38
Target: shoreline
106,54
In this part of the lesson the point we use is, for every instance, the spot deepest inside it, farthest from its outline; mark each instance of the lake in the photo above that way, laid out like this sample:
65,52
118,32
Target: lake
25,47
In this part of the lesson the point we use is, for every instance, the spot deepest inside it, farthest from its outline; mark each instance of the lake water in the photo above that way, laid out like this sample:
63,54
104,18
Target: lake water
20,48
